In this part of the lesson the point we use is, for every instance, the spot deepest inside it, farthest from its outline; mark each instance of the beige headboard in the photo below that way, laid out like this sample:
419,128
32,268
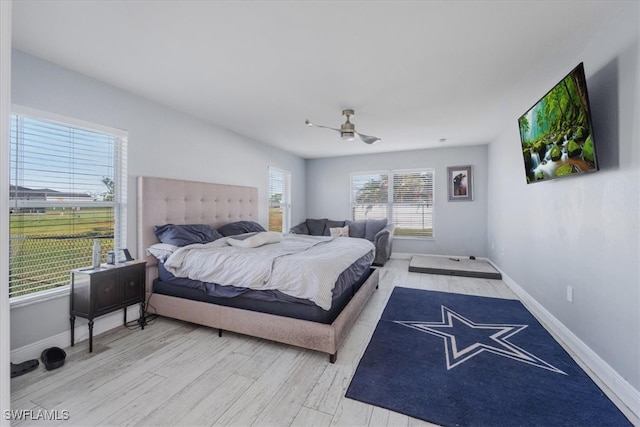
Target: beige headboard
173,201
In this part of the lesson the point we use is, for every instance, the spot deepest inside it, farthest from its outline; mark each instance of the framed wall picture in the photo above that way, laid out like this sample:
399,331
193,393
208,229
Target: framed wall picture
460,183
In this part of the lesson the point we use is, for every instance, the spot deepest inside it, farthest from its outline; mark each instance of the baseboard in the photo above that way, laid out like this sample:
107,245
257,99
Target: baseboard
81,332
624,391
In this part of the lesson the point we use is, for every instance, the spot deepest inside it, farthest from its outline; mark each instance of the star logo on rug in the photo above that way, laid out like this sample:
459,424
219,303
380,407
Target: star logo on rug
464,339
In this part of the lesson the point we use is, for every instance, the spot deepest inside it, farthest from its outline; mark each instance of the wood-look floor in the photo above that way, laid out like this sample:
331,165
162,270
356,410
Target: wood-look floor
179,374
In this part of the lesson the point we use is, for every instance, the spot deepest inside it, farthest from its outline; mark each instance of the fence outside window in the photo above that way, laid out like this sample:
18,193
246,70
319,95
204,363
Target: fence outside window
67,188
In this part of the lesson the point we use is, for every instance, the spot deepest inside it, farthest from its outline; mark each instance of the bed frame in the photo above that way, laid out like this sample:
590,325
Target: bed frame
170,201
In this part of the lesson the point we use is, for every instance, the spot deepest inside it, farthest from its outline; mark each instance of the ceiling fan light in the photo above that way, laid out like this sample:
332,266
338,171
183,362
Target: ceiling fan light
347,136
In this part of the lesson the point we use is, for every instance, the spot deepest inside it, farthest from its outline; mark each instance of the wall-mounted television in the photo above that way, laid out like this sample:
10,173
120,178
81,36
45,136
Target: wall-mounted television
556,133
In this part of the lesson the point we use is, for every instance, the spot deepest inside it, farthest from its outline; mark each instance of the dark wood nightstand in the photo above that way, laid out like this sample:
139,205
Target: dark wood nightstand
95,292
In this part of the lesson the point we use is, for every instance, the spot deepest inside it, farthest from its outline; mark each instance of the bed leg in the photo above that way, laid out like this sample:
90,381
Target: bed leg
333,357
220,332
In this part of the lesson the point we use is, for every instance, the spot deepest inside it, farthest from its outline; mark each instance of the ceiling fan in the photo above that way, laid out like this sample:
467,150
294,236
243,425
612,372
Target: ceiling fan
348,130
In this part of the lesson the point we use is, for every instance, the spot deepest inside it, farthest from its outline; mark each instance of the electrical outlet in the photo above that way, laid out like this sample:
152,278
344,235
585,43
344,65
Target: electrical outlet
570,293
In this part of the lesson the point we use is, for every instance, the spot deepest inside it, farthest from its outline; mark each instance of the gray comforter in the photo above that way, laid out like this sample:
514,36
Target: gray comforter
304,267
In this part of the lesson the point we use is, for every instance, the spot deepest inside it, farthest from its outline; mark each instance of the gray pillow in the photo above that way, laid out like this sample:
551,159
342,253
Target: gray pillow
186,234
240,227
373,226
356,228
332,224
316,226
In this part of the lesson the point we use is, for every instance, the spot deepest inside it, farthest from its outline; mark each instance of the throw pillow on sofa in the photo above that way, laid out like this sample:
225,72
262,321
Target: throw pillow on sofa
356,228
332,224
316,226
339,231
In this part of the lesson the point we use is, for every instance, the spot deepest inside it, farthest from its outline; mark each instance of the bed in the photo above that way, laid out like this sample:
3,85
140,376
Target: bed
169,201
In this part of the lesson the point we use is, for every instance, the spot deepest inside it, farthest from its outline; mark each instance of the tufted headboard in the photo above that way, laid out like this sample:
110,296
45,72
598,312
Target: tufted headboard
173,201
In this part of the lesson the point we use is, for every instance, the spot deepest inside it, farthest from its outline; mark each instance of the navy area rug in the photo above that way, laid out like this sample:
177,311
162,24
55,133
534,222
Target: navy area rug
462,360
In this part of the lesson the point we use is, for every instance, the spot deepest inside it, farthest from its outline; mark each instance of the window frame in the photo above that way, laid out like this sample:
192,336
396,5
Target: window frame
119,203
285,202
370,174
390,175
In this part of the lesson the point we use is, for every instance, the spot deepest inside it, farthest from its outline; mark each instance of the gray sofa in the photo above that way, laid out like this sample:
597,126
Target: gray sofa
377,231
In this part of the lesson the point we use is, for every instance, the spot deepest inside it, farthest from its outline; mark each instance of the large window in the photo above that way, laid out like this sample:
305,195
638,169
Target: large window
279,200
67,187
405,197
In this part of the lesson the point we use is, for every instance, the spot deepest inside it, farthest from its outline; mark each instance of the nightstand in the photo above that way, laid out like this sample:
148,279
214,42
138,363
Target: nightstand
95,292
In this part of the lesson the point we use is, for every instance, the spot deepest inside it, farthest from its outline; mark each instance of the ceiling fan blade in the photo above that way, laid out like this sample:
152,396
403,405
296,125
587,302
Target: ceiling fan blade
368,139
308,123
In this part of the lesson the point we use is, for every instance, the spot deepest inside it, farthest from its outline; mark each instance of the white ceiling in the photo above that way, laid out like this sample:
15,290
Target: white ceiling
414,71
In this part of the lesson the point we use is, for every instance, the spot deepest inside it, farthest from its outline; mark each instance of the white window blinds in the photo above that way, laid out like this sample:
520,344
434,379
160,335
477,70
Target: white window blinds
67,187
405,198
370,195
279,200
412,211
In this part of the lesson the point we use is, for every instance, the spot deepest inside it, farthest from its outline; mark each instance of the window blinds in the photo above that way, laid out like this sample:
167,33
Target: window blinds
370,196
403,197
412,212
67,187
279,193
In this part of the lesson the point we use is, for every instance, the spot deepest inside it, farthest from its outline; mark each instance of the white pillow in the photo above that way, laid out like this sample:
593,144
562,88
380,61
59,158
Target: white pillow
162,251
339,231
259,239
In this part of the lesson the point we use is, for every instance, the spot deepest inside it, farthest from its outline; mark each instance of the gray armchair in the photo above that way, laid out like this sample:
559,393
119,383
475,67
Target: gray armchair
377,231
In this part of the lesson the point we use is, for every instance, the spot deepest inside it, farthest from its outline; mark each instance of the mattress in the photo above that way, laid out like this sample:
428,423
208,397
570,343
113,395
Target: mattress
272,301
434,264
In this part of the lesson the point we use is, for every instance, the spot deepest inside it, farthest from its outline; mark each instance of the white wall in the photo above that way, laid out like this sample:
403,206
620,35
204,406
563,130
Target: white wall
459,227
580,231
5,102
162,142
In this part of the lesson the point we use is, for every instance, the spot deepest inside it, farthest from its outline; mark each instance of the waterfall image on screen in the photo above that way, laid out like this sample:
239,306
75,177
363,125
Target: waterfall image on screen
556,133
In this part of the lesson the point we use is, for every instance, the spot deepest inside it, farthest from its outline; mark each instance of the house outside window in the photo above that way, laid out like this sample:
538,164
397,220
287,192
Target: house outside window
404,197
67,187
279,193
